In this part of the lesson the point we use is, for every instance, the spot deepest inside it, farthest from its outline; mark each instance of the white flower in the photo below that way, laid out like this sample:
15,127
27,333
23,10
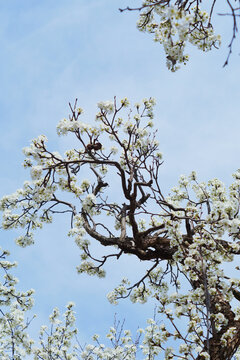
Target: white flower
106,106
36,172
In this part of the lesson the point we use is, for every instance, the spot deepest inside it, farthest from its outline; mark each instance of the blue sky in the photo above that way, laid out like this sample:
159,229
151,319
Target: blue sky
54,51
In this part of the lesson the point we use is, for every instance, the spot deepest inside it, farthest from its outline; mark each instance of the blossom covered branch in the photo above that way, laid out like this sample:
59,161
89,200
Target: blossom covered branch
174,24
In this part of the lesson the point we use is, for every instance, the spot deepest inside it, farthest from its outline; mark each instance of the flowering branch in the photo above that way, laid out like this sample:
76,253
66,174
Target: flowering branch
175,23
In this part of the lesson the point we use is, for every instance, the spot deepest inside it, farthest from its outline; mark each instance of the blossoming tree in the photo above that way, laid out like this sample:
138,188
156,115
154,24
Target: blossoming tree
186,237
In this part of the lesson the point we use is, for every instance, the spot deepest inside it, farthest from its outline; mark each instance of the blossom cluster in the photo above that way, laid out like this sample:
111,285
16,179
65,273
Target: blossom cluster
55,342
174,27
15,342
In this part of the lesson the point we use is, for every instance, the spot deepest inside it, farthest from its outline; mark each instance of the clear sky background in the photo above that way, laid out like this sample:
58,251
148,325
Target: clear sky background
53,51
